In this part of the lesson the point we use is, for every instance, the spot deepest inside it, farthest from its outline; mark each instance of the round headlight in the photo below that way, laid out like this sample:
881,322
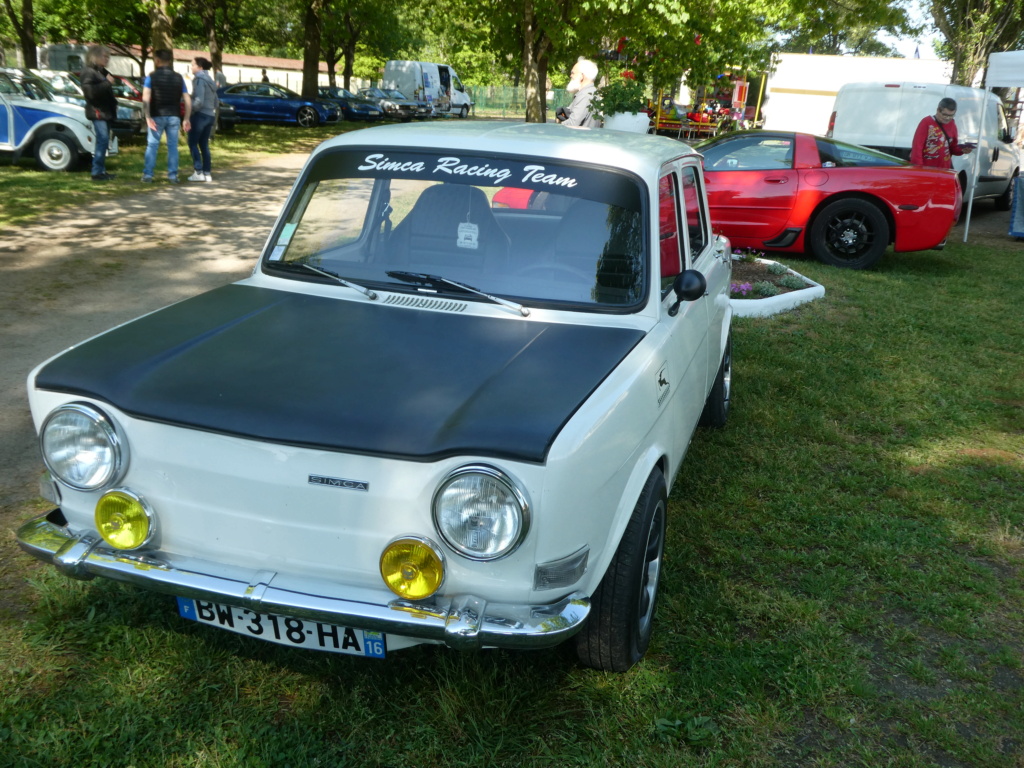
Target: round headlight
480,513
412,567
81,447
124,520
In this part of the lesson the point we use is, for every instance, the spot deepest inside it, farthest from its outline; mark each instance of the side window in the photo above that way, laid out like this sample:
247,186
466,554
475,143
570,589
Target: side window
750,153
696,224
668,229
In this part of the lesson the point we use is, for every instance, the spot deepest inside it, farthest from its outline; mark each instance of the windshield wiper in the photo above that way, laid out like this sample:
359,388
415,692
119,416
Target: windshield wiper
436,281
326,273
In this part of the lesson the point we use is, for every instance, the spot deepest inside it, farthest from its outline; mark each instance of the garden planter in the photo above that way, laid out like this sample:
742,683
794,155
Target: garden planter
625,121
772,305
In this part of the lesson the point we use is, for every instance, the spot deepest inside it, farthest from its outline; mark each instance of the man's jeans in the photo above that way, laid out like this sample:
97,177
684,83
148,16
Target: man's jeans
170,125
99,155
199,141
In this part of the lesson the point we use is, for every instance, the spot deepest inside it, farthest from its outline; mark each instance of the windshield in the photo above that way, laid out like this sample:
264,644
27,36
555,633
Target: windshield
62,83
529,231
35,89
395,94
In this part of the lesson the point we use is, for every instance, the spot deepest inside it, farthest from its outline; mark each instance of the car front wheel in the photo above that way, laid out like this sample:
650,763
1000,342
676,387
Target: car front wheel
618,630
464,112
850,233
307,117
56,152
1005,200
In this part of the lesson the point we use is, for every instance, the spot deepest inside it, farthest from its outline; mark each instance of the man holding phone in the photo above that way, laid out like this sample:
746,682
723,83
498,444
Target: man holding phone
936,141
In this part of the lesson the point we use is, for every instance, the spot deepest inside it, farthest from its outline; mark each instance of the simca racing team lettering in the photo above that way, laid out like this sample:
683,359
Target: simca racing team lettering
454,166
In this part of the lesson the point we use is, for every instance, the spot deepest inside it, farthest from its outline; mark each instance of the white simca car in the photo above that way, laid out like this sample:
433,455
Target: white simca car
429,416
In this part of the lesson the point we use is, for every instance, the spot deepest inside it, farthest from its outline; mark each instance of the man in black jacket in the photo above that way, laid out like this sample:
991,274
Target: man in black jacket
100,106
163,93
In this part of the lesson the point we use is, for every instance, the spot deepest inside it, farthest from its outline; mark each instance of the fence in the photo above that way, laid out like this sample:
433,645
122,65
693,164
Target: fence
507,102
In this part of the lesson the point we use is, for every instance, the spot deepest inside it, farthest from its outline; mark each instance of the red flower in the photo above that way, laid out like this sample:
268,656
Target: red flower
629,75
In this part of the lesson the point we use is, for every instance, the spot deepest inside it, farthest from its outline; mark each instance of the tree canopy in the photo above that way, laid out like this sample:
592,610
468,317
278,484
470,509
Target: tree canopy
975,28
532,43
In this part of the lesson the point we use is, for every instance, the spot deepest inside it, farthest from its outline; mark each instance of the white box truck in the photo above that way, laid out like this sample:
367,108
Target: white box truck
435,84
884,116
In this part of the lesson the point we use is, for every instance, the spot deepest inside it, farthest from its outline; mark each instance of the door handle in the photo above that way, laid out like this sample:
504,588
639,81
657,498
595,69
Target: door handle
782,180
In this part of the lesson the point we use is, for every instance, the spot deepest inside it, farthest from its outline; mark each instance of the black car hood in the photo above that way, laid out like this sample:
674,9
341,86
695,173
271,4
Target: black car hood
346,375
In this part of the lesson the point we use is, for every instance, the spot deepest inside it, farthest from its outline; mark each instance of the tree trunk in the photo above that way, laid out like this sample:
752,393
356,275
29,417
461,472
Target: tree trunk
162,23
25,27
311,50
209,16
531,67
331,57
349,57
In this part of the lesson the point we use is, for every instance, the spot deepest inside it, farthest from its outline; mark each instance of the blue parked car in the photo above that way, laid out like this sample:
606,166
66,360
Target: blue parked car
352,107
264,102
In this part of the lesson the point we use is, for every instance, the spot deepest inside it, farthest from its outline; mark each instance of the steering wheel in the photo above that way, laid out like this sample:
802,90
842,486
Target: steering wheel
555,267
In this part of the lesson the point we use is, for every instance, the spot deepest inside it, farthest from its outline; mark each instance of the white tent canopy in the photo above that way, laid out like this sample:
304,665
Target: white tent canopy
1005,70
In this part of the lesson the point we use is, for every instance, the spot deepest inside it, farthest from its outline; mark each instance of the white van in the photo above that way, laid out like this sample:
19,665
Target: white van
435,84
884,116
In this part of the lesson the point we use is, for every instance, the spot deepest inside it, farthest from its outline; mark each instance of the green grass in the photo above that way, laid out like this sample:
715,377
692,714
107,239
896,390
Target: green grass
843,587
27,192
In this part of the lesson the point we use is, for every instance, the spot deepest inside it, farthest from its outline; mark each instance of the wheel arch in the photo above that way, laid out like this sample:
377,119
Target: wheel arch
61,125
652,459
874,200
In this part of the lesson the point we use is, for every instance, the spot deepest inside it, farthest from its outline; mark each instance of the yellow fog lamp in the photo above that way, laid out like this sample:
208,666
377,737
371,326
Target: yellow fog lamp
124,520
412,567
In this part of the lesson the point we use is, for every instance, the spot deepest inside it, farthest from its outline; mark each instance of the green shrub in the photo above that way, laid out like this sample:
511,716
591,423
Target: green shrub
792,281
765,289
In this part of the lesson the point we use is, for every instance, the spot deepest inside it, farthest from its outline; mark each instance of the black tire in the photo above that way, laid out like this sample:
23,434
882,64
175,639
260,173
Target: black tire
1005,200
716,408
307,117
464,112
619,627
849,233
56,151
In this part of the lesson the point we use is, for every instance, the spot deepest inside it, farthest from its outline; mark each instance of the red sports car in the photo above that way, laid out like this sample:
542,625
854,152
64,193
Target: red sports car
781,191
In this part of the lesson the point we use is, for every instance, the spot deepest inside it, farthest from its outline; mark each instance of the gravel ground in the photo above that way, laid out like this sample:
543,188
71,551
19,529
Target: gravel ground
69,276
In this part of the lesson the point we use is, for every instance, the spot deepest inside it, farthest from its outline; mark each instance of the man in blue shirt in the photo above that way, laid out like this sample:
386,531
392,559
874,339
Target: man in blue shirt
163,93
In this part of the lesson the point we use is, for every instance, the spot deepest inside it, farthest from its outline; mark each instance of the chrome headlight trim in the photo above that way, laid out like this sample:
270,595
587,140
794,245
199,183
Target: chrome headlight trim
147,511
106,429
515,493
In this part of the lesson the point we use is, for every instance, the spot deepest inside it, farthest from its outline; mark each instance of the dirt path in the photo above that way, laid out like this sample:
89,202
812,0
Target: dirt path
67,277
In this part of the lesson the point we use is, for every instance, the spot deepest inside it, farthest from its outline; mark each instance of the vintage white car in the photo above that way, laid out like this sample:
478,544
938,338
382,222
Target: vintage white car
427,417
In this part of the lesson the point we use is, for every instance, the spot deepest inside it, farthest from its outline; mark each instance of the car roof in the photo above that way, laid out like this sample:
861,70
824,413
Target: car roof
640,153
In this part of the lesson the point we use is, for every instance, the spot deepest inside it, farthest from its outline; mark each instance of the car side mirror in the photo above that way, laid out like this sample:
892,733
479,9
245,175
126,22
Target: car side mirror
689,285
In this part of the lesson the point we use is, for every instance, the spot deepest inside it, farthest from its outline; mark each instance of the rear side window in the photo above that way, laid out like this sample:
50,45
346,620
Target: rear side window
837,154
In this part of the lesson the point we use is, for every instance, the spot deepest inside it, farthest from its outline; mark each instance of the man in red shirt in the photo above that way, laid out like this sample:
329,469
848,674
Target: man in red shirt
935,141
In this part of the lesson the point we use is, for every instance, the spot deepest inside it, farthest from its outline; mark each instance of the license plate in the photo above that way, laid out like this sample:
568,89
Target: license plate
285,630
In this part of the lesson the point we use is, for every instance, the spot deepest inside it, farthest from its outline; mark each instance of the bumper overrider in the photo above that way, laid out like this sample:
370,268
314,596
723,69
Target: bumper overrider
462,621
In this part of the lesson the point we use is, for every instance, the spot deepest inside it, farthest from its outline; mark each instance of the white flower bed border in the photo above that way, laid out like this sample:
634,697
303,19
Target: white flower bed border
784,302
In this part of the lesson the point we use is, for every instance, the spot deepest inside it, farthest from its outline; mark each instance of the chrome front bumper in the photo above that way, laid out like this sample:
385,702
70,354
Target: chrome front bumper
463,621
